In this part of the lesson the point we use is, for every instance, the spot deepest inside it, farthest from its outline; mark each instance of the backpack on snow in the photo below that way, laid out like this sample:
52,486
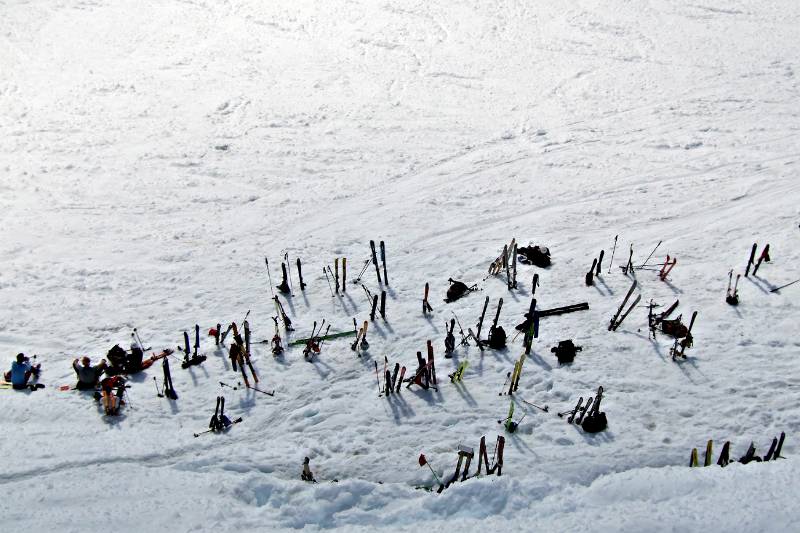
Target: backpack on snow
595,423
116,359
535,255
458,289
565,351
497,338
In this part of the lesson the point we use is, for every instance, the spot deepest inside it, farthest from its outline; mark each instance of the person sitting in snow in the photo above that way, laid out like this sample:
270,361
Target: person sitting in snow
307,475
21,371
113,388
133,361
88,375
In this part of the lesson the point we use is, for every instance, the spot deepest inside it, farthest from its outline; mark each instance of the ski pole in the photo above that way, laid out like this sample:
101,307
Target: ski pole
505,383
138,339
261,391
364,269
546,408
776,289
464,337
424,461
158,391
611,263
270,277
329,281
322,339
651,254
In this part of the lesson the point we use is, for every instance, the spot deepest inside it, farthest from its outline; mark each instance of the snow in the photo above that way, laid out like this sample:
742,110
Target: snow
151,155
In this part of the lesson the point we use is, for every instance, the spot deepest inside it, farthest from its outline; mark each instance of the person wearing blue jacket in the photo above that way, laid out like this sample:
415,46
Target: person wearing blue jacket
21,371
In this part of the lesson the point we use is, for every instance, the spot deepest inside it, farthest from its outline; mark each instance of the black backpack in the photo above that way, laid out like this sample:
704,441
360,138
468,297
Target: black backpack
457,289
565,351
497,338
535,255
116,360
595,423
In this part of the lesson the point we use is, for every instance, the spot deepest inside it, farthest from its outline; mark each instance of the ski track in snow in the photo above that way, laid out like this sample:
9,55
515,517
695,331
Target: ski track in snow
150,158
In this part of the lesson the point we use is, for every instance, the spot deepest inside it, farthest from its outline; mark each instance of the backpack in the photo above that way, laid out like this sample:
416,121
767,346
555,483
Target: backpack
674,328
535,255
497,338
457,289
116,355
595,423
565,351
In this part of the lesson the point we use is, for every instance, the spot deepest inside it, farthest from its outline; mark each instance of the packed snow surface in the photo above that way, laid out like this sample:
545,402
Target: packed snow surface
152,154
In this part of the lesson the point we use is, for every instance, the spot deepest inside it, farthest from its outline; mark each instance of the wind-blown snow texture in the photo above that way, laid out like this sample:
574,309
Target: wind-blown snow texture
151,153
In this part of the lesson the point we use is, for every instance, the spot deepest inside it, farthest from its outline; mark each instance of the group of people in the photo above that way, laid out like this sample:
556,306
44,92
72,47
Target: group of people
119,362
111,388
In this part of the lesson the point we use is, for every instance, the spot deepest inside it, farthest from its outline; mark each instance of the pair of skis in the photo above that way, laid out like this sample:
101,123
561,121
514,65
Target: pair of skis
480,324
168,390
383,260
392,380
508,422
732,296
426,306
576,416
240,352
617,319
375,304
449,339
666,268
361,337
594,271
511,268
219,421
195,358
335,275
502,261
512,378
458,375
752,262
592,407
315,341
276,342
684,343
425,376
287,323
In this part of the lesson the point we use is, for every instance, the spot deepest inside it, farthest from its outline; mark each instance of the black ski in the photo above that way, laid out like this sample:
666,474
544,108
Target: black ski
375,261
751,260
480,322
622,318
613,324
383,260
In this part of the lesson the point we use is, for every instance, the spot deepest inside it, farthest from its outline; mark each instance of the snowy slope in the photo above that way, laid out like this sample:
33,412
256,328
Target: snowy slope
152,153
